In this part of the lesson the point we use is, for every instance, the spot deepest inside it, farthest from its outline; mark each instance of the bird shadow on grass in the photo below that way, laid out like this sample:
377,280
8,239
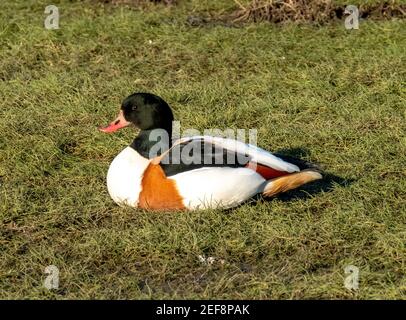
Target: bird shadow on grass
327,184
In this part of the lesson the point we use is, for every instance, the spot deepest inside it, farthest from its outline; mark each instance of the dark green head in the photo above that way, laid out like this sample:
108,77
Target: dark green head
146,111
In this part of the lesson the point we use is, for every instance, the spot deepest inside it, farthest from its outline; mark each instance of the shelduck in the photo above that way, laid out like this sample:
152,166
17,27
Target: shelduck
161,175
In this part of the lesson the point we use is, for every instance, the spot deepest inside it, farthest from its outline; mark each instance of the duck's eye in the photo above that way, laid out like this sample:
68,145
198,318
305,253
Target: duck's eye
133,108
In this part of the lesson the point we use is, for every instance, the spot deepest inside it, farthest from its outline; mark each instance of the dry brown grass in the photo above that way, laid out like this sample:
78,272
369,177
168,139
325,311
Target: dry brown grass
319,11
137,2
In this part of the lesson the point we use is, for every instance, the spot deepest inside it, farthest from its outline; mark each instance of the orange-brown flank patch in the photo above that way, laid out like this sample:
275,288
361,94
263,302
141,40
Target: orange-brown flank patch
158,192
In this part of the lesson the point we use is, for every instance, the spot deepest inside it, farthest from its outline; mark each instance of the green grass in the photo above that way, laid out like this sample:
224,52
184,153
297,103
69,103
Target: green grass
334,96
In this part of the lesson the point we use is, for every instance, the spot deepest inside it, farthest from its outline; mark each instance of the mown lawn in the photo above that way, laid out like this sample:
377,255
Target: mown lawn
327,94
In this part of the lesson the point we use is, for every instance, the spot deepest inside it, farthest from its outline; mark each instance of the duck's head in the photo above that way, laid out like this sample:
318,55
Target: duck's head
145,110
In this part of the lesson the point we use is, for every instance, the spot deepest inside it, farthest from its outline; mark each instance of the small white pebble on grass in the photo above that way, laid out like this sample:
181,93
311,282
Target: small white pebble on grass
202,259
209,260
